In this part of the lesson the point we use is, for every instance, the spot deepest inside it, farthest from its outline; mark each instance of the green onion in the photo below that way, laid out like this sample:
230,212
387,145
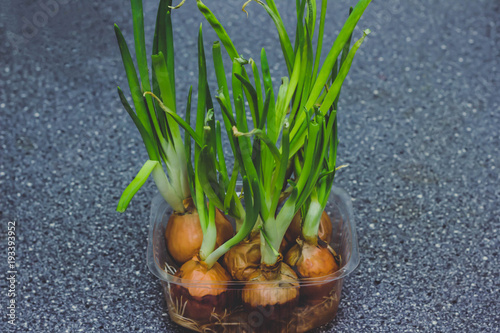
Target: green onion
159,130
309,128
293,133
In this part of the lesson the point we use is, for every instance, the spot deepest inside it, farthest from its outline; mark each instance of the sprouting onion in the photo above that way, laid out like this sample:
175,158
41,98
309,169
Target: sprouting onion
310,258
311,93
294,134
286,156
302,59
209,179
157,121
159,131
302,114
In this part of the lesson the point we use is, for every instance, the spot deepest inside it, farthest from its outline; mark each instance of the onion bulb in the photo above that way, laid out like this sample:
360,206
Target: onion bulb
312,261
272,289
184,235
212,296
243,259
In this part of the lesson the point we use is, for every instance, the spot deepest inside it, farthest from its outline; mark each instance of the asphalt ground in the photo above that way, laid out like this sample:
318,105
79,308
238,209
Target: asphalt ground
419,121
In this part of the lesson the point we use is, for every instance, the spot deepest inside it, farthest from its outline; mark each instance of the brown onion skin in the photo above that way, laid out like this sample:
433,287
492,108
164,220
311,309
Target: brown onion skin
202,301
243,259
295,229
276,297
225,230
312,261
325,228
184,235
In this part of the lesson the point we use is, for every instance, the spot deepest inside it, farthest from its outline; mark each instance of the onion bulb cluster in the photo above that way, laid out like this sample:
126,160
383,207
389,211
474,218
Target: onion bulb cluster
284,155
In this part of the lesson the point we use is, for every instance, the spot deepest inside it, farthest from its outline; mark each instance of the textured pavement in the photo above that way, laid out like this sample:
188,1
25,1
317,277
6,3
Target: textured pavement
419,124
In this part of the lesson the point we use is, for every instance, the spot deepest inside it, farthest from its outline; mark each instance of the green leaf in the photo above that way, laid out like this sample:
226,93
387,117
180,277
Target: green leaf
164,82
239,107
220,154
282,166
140,43
337,47
166,90
187,144
258,87
219,71
281,106
140,54
299,30
207,175
227,112
223,104
160,45
202,86
219,29
337,84
151,147
261,135
311,17
169,51
136,184
286,45
252,99
230,191
331,58
265,110
345,53
321,34
133,82
178,119
268,86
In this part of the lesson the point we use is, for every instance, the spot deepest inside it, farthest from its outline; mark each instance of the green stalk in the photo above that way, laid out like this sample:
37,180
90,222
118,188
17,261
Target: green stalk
202,86
210,235
286,45
146,138
329,99
252,203
166,190
337,84
337,47
219,29
274,230
331,58
159,130
321,33
133,81
140,54
162,183
312,220
269,244
258,87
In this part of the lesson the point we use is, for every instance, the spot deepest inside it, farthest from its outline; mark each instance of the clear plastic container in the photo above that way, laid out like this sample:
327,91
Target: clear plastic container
230,315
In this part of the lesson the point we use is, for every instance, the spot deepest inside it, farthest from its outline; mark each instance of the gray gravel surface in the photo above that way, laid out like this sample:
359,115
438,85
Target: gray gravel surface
419,128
